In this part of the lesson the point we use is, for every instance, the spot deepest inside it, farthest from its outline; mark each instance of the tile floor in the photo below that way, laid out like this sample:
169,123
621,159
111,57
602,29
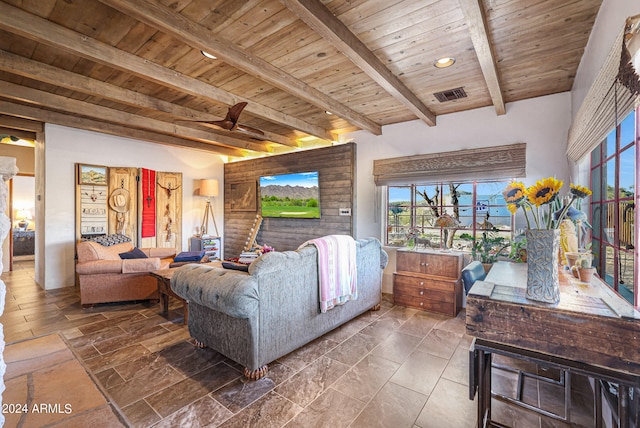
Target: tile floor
397,367
37,371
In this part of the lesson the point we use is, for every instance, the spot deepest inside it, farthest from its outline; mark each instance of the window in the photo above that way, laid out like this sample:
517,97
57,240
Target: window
613,173
415,207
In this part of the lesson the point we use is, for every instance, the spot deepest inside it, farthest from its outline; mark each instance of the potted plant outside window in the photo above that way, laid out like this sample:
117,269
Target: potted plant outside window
488,247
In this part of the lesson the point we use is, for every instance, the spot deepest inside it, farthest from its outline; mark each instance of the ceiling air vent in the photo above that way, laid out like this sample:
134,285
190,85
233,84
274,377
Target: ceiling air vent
450,95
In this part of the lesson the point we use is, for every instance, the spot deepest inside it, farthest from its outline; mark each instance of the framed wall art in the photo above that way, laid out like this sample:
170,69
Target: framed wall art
94,175
243,196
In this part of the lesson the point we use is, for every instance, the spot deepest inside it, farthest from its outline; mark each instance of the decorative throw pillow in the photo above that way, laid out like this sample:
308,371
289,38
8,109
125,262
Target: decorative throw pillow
109,240
235,266
136,253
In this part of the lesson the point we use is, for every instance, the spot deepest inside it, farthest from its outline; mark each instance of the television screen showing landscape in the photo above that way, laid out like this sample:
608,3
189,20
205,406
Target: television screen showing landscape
290,195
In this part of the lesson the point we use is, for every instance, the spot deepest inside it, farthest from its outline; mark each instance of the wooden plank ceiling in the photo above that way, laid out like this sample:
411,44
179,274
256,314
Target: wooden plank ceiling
134,67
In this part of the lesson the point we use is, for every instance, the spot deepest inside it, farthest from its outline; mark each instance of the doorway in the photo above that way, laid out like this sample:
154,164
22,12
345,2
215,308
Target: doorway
23,226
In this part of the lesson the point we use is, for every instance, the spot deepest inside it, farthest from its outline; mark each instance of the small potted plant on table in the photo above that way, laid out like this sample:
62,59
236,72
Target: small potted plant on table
584,268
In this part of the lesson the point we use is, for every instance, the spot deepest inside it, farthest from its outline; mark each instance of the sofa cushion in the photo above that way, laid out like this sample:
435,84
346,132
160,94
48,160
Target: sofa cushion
136,253
90,251
231,292
99,267
140,265
166,263
162,253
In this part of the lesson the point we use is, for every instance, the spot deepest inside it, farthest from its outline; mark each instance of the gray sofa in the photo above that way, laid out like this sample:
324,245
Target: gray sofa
257,317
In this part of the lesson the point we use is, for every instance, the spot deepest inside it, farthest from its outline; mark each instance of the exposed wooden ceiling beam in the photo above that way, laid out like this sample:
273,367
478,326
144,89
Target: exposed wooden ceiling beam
45,99
36,113
476,21
322,21
45,73
35,28
25,135
22,124
168,21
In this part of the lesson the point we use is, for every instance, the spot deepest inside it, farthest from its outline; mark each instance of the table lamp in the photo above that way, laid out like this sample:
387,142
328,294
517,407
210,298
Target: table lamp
209,189
24,216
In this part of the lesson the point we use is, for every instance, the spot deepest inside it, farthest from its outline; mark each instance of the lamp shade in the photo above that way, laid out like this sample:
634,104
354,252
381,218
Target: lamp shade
209,187
24,215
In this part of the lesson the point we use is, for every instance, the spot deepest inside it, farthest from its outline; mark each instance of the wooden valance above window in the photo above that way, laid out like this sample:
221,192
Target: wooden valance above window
481,164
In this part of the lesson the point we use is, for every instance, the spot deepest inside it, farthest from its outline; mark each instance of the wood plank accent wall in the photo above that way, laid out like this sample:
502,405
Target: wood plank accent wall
336,173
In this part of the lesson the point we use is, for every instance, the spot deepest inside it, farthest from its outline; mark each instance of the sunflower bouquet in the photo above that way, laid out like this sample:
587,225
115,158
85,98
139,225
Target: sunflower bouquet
534,199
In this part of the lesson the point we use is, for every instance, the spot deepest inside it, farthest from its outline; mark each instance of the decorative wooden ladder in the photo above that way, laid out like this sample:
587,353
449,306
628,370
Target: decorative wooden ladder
248,245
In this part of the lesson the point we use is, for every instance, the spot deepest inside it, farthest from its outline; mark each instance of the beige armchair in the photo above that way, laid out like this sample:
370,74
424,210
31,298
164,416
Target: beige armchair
104,277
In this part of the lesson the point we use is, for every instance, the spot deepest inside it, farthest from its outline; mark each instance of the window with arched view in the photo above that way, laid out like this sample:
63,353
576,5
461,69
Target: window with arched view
412,211
613,210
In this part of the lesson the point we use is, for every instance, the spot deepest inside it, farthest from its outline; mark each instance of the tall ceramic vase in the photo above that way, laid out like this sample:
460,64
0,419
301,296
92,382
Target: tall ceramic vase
542,265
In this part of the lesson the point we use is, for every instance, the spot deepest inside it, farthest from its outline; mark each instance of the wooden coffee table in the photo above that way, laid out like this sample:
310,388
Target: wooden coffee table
164,290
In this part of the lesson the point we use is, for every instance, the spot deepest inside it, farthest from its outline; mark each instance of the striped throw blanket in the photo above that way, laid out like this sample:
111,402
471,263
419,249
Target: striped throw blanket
337,270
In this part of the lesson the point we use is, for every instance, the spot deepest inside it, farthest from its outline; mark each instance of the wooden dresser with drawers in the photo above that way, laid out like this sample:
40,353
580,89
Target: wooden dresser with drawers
429,280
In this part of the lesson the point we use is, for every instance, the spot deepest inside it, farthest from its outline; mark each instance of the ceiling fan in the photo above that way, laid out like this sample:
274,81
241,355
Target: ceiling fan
230,122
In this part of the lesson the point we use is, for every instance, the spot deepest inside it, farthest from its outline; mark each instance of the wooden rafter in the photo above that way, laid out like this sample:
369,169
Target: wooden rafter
45,73
321,20
21,124
36,113
25,135
477,23
35,28
168,21
41,98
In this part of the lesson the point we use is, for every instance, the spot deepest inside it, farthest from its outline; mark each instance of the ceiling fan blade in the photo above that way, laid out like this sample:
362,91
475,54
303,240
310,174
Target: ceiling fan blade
230,122
234,112
224,124
249,129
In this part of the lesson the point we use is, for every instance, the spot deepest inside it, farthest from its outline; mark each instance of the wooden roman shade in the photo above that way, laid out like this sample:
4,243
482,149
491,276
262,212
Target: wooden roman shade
611,97
486,163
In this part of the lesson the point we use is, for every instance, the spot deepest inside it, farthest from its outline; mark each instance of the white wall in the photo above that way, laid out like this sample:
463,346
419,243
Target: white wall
66,146
541,122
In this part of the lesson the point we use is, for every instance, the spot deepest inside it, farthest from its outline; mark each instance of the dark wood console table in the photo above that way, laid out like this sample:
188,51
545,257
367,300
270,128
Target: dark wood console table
591,331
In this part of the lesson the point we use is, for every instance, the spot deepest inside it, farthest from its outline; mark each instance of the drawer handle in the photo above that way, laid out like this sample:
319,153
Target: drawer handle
424,264
421,282
421,303
421,292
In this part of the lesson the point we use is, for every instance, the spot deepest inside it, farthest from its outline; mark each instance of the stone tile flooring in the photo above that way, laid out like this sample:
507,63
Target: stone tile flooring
47,386
397,367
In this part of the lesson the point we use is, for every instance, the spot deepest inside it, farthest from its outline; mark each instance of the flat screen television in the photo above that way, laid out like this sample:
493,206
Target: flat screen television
295,195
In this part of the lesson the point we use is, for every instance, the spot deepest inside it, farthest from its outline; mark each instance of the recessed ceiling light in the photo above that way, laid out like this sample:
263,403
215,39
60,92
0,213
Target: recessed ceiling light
328,112
208,55
444,62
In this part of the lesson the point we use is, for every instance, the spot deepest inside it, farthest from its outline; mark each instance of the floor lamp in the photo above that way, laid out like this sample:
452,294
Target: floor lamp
208,188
